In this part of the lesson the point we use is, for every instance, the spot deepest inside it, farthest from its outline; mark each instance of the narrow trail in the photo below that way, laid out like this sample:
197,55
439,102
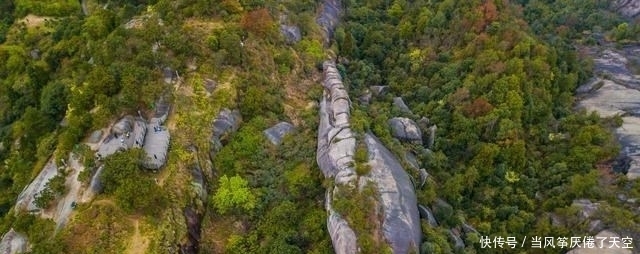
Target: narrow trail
138,243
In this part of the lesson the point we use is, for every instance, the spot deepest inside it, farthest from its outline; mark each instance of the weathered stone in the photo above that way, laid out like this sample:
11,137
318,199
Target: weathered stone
95,137
156,144
127,133
35,54
379,90
227,122
425,213
365,98
169,75
291,34
210,85
454,237
328,19
603,247
441,209
556,220
617,92
424,123
587,208
405,129
12,243
411,159
401,224
336,148
26,199
432,136
628,8
276,133
343,237
468,229
399,104
596,226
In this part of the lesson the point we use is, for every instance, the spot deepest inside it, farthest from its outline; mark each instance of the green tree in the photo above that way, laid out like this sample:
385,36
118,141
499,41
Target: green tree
233,194
53,100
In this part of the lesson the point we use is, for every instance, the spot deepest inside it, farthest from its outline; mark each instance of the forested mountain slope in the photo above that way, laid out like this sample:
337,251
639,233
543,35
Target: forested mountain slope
222,119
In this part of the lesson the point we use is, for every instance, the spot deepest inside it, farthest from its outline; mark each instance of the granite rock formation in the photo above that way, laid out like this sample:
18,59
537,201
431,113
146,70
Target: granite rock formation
400,224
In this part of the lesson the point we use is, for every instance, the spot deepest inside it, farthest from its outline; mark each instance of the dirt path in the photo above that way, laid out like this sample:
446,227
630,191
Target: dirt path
138,243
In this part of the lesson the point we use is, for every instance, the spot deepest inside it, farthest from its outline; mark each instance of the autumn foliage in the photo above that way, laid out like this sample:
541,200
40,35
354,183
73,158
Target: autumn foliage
478,107
258,22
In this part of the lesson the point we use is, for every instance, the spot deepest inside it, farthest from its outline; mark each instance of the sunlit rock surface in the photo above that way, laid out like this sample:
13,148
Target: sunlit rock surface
12,243
616,91
397,201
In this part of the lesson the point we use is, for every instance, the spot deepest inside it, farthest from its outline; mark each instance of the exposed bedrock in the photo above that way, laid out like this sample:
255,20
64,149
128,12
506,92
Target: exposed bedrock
628,8
401,224
12,243
276,133
617,92
396,199
328,19
226,123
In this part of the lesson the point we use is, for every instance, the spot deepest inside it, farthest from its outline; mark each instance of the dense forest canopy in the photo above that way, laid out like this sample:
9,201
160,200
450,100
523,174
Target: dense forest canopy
511,153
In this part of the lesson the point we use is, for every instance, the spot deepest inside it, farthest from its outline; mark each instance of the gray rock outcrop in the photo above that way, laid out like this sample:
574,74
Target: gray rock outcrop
95,137
276,133
379,90
399,104
396,198
227,122
427,214
291,34
169,75
405,129
12,243
617,92
454,237
26,199
401,224
628,8
328,19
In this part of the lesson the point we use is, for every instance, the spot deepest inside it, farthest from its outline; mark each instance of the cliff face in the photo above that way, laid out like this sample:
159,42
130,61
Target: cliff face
395,198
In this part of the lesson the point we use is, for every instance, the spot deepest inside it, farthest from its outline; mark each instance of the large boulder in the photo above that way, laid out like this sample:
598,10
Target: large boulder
276,133
405,129
227,122
425,213
12,243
